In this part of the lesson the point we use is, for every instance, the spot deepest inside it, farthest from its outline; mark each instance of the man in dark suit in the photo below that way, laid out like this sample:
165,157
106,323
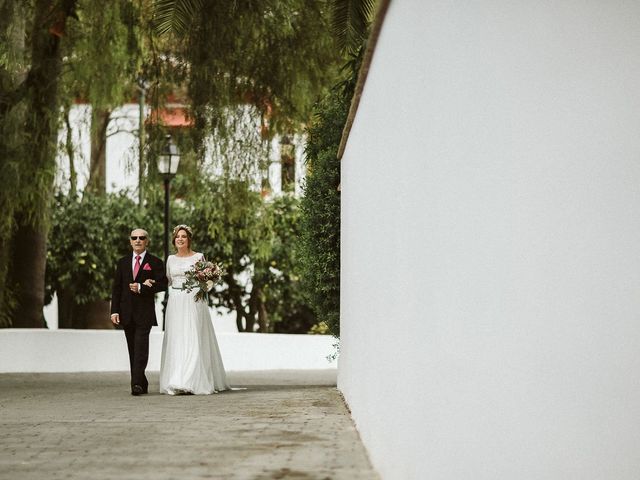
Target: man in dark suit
138,278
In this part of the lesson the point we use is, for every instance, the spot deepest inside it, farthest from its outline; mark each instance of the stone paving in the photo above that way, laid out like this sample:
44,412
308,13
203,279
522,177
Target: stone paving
281,425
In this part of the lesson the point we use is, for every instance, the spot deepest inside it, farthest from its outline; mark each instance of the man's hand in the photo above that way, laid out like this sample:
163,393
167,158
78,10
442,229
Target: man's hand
115,318
134,287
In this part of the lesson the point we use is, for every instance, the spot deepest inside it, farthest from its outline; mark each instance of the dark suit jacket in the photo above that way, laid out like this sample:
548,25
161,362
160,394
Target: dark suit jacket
138,308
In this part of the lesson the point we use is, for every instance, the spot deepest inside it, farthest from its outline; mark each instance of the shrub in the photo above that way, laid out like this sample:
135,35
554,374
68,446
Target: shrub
86,239
319,244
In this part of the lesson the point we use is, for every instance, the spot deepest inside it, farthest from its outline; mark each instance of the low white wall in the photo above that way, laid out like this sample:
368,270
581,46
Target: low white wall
491,242
41,350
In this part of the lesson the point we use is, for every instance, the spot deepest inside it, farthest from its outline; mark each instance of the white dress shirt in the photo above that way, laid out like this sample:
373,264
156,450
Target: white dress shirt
133,264
133,259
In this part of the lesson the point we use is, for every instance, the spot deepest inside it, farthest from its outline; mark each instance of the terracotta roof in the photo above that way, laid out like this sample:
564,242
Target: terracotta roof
173,117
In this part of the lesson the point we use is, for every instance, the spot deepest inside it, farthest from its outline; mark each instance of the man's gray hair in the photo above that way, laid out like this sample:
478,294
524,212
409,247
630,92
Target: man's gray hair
145,232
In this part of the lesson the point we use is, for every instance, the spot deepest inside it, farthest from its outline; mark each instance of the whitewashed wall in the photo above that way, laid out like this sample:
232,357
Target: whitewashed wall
67,350
491,242
122,151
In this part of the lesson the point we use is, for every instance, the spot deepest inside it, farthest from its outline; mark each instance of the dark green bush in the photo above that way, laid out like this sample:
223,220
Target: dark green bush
319,243
87,237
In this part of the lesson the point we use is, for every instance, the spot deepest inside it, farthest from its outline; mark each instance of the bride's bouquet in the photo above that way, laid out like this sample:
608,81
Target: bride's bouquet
202,276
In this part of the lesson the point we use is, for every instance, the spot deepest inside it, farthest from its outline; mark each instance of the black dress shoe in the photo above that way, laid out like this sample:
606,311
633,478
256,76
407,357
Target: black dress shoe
137,390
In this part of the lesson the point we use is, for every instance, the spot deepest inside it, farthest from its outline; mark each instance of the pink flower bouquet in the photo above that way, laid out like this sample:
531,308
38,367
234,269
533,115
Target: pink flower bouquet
202,277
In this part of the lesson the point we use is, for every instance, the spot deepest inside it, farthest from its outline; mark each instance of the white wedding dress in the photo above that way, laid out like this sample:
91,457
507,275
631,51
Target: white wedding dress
191,361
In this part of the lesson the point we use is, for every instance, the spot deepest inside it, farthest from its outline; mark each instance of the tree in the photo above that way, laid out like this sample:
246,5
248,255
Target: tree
88,236
319,243
224,214
288,59
350,21
104,40
276,295
320,239
29,114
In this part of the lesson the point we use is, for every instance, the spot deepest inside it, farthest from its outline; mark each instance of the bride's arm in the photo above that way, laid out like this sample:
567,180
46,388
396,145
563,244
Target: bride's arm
169,270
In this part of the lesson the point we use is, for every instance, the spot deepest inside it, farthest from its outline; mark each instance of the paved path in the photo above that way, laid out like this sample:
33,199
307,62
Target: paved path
284,425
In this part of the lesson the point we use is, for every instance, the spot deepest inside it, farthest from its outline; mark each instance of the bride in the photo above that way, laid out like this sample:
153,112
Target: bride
191,361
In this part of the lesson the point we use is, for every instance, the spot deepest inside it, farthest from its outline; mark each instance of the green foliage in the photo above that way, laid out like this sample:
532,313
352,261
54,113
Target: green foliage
13,141
320,328
175,15
319,242
287,62
30,69
252,239
87,237
277,276
350,22
320,239
103,40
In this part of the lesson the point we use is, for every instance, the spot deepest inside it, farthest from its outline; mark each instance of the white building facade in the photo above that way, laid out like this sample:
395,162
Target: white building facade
490,310
122,151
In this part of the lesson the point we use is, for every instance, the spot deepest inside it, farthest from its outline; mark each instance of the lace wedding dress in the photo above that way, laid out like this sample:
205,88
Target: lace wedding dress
191,361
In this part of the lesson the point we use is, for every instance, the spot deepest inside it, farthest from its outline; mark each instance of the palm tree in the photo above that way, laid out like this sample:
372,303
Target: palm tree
350,19
350,22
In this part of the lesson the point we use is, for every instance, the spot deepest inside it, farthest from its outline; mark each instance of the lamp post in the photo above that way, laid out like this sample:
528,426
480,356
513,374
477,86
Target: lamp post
168,161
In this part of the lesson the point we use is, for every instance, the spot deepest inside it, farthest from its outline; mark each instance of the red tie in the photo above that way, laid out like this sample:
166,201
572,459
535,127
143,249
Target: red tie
136,267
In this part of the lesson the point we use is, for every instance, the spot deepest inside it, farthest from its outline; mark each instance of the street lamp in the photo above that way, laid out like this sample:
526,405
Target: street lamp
168,161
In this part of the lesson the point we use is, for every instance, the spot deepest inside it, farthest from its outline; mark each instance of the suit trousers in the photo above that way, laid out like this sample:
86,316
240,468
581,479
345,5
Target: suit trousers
138,344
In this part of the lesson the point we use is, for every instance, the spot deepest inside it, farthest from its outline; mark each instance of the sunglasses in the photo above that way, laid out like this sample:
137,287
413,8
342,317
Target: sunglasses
141,237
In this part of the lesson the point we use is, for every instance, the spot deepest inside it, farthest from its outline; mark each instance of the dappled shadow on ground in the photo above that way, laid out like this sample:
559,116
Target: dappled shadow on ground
89,426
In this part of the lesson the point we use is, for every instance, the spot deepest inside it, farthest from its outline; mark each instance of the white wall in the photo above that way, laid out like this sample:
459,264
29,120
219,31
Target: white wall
67,350
224,321
122,151
491,242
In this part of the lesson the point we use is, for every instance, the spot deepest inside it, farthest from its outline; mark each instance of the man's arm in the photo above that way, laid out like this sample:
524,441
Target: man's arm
116,290
159,280
116,293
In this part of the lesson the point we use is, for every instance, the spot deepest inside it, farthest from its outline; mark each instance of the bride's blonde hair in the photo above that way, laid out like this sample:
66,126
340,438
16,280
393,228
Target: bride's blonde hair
177,228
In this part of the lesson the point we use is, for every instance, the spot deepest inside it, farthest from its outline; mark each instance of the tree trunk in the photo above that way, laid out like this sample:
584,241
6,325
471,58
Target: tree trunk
38,168
263,316
12,37
65,309
235,297
142,90
27,276
98,166
73,177
95,315
242,320
258,309
252,309
7,296
240,317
